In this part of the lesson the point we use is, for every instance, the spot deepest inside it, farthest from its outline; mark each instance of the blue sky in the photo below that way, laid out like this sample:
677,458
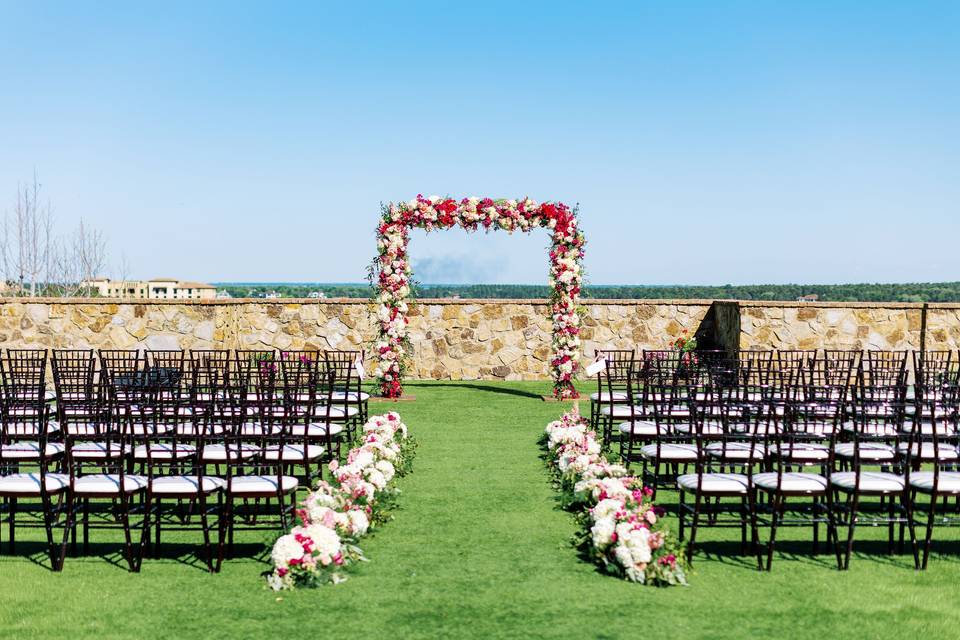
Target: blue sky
706,142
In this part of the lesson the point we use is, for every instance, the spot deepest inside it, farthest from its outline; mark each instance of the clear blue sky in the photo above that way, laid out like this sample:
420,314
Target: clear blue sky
706,142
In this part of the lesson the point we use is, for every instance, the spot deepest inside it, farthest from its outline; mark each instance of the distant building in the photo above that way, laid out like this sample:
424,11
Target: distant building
223,294
808,298
317,294
272,294
155,289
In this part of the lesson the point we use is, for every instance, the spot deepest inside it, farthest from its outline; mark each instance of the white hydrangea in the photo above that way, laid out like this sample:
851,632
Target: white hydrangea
285,549
602,532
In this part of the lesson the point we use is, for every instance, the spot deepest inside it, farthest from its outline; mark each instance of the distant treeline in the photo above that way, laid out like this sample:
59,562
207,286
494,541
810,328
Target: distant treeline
917,292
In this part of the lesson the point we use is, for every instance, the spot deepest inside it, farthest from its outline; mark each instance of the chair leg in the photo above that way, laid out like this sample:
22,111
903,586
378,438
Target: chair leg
12,542
911,525
779,503
145,531
204,522
69,526
891,526
156,542
743,525
693,528
221,531
832,536
48,526
680,514
127,540
226,525
86,526
754,530
816,525
855,503
928,539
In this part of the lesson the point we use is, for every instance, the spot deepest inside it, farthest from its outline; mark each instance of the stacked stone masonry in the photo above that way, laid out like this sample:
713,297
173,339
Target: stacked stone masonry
471,339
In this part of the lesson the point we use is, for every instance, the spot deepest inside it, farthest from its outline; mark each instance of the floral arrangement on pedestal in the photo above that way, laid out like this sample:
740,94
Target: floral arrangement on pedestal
392,274
336,514
622,528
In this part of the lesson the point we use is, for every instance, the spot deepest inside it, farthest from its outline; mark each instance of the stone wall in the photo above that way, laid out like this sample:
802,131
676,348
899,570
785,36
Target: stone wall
470,339
943,327
846,325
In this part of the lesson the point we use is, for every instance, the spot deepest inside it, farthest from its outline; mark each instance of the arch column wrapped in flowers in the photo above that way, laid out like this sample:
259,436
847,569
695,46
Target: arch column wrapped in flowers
392,273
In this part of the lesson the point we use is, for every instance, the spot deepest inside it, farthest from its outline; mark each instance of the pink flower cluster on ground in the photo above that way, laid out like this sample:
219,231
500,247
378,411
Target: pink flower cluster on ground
337,513
623,529
393,273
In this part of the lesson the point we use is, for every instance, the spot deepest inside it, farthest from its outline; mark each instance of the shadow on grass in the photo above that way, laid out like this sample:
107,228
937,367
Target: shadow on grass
486,387
187,554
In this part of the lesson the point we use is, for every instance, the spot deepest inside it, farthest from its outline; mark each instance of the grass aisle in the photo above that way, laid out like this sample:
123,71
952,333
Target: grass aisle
479,549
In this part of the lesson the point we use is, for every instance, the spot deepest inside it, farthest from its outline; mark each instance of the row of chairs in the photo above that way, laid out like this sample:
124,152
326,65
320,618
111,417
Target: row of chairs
159,441
840,436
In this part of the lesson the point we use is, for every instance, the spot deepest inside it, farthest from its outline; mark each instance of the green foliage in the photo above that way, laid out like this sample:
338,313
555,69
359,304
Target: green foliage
912,292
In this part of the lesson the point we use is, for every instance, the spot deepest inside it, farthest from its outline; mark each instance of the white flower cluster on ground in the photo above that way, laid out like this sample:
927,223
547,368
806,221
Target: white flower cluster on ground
622,528
337,513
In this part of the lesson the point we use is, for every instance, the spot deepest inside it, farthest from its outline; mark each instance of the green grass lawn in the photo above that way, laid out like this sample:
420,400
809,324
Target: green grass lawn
480,549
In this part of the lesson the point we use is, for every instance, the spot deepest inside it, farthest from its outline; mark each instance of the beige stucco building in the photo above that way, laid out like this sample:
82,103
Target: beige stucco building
155,289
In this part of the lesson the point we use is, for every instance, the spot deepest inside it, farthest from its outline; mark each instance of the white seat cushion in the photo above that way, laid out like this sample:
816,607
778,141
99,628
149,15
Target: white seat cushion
868,451
99,450
186,485
108,484
670,452
925,451
162,428
621,410
218,452
350,396
85,429
948,482
715,483
822,429
315,429
29,450
80,412
759,428
164,451
736,450
337,413
870,481
926,428
259,429
28,428
191,429
642,428
607,396
259,485
871,428
709,428
28,484
791,482
801,451
295,453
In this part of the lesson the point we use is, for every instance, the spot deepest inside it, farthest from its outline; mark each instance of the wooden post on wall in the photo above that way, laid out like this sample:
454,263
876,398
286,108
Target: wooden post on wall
923,328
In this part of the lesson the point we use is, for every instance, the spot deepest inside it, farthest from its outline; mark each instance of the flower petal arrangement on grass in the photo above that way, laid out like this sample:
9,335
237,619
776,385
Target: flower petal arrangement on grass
622,528
392,272
336,514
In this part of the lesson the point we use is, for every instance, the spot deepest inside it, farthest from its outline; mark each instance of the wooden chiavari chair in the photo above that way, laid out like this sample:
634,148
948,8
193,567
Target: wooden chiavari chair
348,384
31,483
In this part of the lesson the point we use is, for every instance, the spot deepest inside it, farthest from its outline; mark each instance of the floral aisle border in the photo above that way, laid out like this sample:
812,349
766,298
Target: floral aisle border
392,272
622,528
336,514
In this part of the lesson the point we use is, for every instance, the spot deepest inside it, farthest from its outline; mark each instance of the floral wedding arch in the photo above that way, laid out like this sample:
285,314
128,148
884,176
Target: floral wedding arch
391,271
